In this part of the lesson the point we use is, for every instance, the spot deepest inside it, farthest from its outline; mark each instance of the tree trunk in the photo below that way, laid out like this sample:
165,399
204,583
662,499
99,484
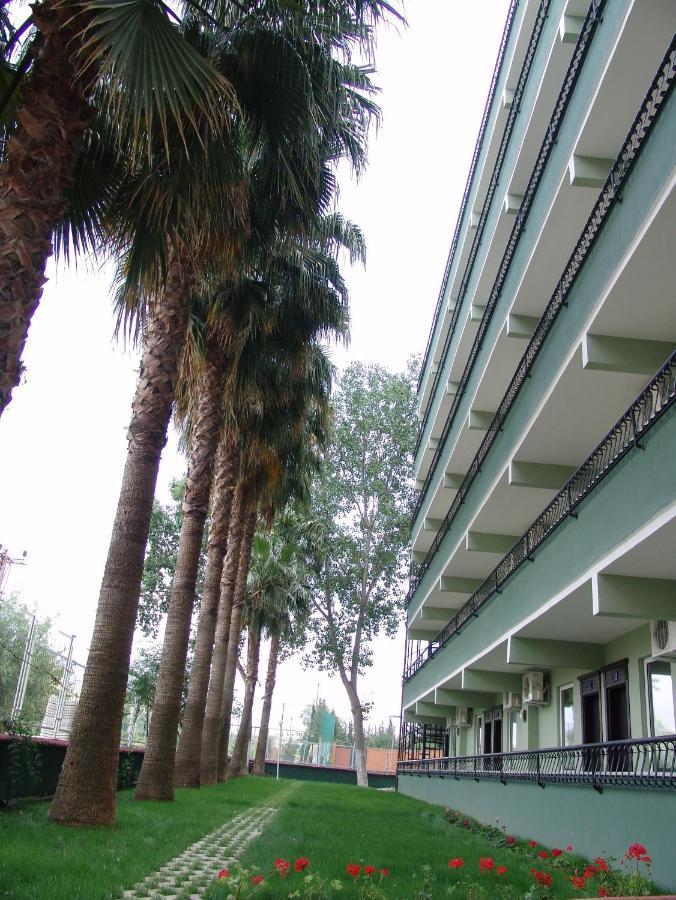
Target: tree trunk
85,793
270,678
233,645
359,742
156,779
187,771
41,158
212,712
240,757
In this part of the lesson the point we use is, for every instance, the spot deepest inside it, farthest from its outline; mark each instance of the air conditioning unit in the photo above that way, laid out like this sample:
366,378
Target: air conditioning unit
511,700
463,716
535,691
663,638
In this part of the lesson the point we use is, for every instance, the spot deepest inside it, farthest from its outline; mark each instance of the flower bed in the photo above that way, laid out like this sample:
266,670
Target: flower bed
556,872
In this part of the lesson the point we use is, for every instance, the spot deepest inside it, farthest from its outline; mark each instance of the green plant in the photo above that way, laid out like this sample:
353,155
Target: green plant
126,776
25,761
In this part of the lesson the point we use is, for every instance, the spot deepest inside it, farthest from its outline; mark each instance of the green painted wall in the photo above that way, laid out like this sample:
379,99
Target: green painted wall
558,815
651,171
627,498
587,83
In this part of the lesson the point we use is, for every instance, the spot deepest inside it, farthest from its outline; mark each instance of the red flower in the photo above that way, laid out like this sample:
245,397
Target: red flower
301,863
486,863
569,848
257,879
636,851
578,881
369,870
467,823
603,892
282,867
353,869
543,878
543,854
601,864
456,863
645,858
589,871
532,844
510,841
556,852
224,873
501,870
384,872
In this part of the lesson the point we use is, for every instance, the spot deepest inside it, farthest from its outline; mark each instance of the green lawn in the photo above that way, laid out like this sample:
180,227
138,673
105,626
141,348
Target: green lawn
41,860
333,825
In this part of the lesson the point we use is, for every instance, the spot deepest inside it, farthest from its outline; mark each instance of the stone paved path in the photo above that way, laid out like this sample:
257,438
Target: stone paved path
189,874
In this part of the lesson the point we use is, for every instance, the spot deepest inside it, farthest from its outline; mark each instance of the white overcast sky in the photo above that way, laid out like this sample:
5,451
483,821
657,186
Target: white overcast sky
62,440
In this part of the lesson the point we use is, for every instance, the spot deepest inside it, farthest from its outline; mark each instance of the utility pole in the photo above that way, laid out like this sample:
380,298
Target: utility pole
61,703
22,681
279,745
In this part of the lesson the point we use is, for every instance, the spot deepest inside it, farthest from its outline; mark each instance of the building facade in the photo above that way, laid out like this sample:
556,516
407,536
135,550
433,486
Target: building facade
541,617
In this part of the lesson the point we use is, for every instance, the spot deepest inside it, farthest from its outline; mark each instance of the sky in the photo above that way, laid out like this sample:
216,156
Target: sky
62,439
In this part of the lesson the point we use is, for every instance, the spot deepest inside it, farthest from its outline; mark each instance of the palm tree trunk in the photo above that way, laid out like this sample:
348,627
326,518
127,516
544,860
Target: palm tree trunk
156,779
212,712
233,644
41,158
239,759
187,771
270,679
85,793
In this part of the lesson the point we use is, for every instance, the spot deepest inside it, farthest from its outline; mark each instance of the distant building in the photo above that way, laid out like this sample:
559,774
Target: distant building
541,624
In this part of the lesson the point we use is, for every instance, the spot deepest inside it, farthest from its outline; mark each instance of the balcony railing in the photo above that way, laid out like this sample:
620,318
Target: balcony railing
642,127
627,434
470,179
492,187
574,68
643,763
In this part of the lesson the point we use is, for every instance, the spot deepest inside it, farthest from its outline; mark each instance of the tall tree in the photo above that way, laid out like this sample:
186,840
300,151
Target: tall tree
126,62
187,773
363,500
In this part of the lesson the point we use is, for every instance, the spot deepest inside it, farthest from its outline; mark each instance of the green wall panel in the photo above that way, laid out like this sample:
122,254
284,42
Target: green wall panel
558,815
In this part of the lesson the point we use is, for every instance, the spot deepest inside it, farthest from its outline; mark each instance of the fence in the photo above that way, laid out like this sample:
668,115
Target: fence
39,682
644,763
297,746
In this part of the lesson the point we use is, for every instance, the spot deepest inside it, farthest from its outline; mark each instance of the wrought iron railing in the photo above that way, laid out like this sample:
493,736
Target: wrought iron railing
642,126
644,762
470,178
485,209
626,434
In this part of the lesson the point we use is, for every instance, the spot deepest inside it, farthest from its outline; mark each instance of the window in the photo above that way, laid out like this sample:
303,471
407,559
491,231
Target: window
479,734
567,716
514,717
660,697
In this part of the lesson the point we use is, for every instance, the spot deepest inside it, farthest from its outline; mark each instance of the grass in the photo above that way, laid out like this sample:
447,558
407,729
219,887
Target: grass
334,825
43,861
330,824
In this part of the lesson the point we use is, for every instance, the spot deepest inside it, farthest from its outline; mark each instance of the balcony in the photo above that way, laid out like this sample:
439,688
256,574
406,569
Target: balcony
627,434
641,763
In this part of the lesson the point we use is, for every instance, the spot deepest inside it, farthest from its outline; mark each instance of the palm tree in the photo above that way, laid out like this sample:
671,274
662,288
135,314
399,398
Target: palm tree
187,769
192,203
302,391
80,59
129,66
275,592
182,211
284,581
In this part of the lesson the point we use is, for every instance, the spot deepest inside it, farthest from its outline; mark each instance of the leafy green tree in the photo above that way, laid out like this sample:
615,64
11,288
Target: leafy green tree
141,686
46,672
363,499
